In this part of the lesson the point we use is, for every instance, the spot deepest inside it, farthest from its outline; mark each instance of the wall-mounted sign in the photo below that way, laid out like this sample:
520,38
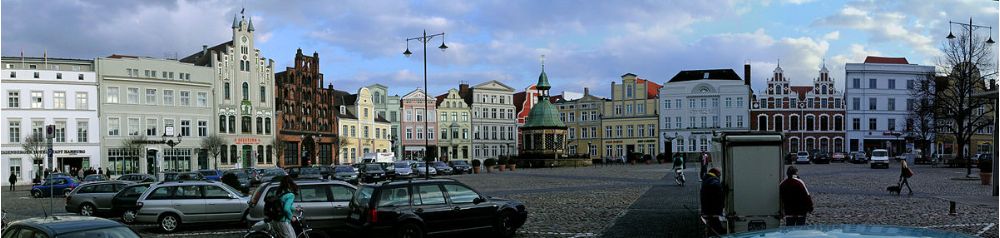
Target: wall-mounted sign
21,152
246,140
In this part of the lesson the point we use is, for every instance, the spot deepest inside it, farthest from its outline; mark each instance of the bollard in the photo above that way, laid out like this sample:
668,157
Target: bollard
951,208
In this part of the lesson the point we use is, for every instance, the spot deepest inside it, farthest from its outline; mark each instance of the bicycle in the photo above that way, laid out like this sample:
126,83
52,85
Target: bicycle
263,228
679,177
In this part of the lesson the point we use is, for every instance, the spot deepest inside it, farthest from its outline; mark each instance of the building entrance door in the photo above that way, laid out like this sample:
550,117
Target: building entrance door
247,157
70,163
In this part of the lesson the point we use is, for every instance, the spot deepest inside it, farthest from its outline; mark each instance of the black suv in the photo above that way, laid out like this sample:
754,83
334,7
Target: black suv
820,157
371,173
416,208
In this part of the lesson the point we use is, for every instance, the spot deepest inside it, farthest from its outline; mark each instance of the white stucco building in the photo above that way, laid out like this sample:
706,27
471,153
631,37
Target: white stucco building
49,91
695,103
878,96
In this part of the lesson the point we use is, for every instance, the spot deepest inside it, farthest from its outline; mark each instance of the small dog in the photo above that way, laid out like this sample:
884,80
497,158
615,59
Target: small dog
893,189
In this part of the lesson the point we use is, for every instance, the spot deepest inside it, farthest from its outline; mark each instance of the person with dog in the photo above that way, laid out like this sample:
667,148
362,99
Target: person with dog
796,202
904,175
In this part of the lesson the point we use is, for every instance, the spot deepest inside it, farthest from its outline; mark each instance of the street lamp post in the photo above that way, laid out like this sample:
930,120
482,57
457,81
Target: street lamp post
424,39
971,27
802,118
170,142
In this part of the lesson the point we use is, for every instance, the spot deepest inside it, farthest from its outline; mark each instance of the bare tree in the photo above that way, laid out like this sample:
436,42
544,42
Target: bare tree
958,111
342,143
135,147
920,123
279,150
35,147
213,145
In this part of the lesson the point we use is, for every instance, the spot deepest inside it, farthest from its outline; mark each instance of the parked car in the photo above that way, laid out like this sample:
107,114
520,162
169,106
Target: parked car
170,204
324,200
68,226
880,158
326,171
419,170
305,172
389,168
269,174
95,178
802,157
93,198
252,173
820,157
58,185
839,157
859,157
213,175
403,169
186,176
123,203
460,166
372,173
442,167
242,176
416,208
345,173
138,178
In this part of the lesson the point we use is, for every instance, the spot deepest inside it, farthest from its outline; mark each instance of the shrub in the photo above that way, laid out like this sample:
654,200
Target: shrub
502,160
476,163
490,162
985,165
511,160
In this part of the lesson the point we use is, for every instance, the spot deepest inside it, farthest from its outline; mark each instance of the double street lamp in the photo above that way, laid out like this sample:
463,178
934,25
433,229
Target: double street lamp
424,39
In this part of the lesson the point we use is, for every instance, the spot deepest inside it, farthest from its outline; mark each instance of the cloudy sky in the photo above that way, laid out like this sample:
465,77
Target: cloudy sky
586,43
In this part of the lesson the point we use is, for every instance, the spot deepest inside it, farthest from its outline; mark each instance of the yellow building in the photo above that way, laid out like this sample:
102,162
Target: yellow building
361,129
583,121
630,118
455,125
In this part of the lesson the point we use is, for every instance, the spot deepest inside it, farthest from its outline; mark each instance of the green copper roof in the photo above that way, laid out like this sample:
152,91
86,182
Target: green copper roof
544,114
543,81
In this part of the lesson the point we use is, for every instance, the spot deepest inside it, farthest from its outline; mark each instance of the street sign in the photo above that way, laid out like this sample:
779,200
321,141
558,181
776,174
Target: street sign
49,152
50,131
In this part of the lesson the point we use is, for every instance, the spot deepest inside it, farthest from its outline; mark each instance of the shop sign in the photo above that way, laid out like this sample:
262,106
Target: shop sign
247,140
21,152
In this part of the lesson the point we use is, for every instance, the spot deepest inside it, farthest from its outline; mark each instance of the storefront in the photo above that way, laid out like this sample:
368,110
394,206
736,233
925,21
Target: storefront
24,165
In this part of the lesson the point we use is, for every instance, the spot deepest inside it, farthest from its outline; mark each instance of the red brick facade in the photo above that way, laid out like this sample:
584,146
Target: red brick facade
811,117
306,125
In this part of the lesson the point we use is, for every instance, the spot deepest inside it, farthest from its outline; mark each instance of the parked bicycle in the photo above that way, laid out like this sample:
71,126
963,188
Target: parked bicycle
263,228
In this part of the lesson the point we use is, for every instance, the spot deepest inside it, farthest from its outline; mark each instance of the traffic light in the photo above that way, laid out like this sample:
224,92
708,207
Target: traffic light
50,131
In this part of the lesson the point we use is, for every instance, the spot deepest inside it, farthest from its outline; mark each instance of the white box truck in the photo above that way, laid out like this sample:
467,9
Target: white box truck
381,157
752,171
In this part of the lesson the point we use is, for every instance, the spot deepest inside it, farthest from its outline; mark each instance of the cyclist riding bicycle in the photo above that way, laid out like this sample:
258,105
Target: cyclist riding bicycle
679,169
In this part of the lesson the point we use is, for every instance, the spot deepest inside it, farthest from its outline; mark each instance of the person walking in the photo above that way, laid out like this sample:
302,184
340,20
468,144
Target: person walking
795,199
705,161
679,167
713,202
12,179
287,190
904,175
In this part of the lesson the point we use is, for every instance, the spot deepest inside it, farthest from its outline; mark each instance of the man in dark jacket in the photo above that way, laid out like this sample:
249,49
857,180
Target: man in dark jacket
713,201
795,199
12,180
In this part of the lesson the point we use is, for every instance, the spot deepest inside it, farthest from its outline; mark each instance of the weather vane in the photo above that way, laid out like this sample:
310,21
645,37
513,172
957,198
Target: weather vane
543,61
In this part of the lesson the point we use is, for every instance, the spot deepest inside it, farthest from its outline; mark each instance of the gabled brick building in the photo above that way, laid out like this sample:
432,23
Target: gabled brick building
306,120
811,117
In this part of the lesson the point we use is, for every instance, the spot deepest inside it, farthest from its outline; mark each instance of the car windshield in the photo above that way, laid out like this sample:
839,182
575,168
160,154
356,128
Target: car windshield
459,162
111,232
803,154
401,165
362,196
880,153
239,174
343,169
274,172
373,167
439,163
207,173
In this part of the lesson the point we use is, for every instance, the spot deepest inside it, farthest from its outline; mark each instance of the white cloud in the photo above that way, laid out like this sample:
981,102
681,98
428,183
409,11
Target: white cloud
834,35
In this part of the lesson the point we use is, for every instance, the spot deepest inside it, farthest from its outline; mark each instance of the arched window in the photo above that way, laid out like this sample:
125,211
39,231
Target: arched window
793,144
232,125
222,124
793,122
824,89
838,145
260,125
267,125
838,123
226,90
246,91
824,144
263,94
824,123
245,125
810,144
762,123
779,123
378,97
810,123
777,89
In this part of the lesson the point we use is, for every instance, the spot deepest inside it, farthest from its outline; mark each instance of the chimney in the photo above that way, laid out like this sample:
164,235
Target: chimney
586,91
204,50
746,74
612,89
463,88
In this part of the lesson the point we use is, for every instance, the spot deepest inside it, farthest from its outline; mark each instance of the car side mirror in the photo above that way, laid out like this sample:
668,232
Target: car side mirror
478,200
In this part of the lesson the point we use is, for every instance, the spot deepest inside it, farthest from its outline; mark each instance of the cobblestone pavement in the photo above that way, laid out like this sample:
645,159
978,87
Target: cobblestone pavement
643,201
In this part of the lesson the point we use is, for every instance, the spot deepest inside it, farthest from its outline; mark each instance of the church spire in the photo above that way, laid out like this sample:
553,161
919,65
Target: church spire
250,24
236,22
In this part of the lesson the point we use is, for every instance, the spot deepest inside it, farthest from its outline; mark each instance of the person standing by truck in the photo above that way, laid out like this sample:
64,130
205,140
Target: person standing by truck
795,199
713,201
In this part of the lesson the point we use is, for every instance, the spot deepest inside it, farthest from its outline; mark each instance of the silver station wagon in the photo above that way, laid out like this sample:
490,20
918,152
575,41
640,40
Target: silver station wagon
93,198
325,202
170,204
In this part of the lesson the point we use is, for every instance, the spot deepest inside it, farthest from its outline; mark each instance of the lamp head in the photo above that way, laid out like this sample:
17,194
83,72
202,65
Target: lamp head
950,36
443,46
407,53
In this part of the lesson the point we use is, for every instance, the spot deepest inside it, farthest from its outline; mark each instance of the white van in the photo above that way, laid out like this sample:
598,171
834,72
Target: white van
880,157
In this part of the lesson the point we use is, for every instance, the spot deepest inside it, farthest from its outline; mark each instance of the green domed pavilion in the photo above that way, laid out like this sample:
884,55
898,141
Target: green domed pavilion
543,133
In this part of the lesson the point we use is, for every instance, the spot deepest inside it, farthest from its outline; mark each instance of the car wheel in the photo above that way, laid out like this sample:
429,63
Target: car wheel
169,223
86,210
505,225
36,193
128,217
409,230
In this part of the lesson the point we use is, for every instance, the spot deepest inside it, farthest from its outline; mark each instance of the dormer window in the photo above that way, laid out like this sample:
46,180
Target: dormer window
343,109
